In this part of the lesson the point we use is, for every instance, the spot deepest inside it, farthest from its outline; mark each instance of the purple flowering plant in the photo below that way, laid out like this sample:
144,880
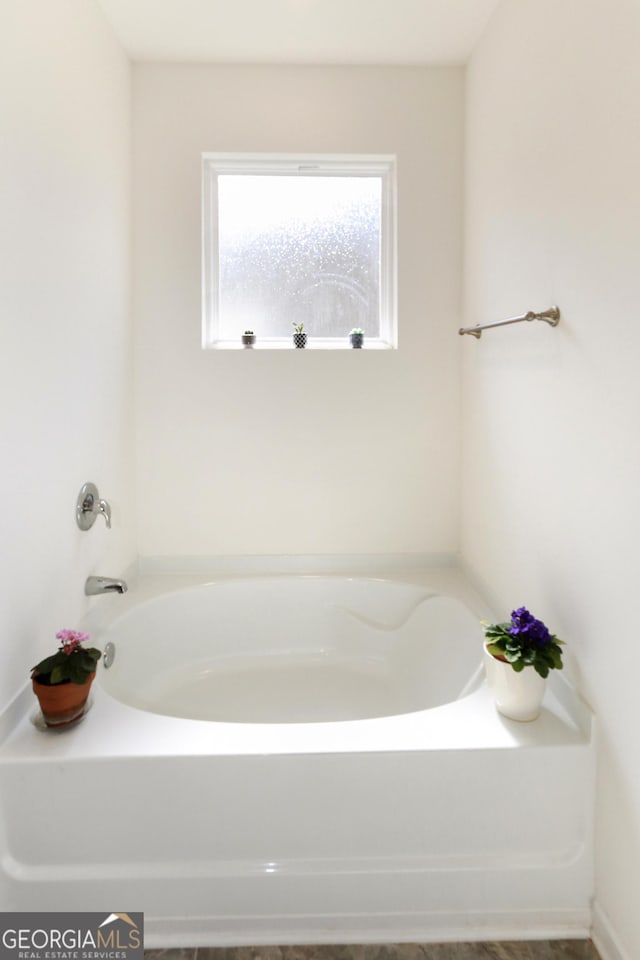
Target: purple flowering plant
523,642
71,663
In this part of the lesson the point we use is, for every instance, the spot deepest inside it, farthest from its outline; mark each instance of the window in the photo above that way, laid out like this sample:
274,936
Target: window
298,239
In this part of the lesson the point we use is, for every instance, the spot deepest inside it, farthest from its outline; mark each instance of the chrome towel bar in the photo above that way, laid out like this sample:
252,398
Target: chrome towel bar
550,316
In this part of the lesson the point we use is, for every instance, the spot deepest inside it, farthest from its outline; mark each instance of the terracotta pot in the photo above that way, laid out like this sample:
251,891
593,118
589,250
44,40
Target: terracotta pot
517,695
62,703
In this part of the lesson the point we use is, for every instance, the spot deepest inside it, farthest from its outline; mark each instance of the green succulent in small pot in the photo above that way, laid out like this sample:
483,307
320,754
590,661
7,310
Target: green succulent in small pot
62,680
299,336
357,338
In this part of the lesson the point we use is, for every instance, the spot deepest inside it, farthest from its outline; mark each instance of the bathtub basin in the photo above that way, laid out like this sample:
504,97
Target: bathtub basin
293,650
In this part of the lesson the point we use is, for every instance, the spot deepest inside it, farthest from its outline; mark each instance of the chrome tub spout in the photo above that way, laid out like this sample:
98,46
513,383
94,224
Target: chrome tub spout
95,586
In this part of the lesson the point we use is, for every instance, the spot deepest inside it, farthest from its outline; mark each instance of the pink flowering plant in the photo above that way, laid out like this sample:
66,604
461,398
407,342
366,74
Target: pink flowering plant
524,642
71,663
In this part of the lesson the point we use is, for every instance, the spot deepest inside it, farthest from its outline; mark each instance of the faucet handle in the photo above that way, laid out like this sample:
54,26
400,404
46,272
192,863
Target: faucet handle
89,506
105,510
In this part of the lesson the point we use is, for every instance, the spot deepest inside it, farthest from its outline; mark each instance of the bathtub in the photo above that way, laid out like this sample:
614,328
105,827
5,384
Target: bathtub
293,650
282,759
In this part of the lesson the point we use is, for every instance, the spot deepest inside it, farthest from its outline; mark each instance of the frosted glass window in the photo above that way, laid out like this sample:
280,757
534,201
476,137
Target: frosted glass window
290,241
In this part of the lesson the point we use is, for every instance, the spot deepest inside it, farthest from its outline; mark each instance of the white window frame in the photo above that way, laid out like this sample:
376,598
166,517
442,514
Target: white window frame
353,165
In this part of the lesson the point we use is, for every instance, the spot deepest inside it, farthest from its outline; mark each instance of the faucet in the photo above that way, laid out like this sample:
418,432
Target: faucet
89,506
94,586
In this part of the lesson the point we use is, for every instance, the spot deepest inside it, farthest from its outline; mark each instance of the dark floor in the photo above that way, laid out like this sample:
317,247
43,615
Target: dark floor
511,950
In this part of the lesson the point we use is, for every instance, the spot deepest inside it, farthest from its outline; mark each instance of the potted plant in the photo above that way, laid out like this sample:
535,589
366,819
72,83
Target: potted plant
62,681
357,338
518,658
248,338
299,336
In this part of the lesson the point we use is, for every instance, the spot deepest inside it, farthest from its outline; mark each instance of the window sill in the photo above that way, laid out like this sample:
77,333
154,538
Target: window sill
287,344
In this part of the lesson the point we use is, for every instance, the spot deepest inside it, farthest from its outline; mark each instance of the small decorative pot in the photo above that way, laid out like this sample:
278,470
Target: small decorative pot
518,696
299,341
357,339
62,703
248,339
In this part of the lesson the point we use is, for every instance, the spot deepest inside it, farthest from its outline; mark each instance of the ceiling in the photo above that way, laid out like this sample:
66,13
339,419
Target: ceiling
300,31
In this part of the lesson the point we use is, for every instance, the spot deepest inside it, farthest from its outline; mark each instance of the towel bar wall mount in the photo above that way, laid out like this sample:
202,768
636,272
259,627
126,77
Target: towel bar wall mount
550,316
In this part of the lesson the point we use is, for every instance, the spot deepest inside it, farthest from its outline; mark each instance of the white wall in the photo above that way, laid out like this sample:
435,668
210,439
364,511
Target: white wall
65,361
318,452
552,463
290,452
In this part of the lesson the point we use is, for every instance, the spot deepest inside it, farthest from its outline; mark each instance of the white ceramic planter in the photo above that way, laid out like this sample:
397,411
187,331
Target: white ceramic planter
517,695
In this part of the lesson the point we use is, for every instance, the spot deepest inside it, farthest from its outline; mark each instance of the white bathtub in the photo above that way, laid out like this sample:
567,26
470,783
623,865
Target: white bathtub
294,650
279,760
